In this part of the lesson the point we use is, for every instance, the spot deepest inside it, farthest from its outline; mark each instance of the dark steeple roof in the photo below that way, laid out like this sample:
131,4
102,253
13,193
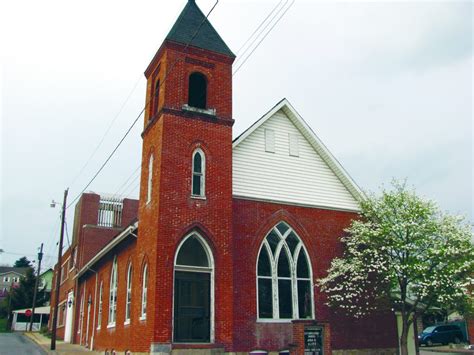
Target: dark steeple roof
188,24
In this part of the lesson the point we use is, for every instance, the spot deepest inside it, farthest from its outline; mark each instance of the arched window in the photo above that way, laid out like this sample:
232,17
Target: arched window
150,179
128,302
156,98
199,173
99,312
113,294
197,95
193,289
284,279
144,292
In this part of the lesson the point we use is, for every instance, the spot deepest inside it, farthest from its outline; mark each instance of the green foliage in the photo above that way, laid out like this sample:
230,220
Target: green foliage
3,325
405,250
23,262
22,296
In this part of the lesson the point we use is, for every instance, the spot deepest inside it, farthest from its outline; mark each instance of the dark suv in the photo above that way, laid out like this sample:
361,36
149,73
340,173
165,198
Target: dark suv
443,334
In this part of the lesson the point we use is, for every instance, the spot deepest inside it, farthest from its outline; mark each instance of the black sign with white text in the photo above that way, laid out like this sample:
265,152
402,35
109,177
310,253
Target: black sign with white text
313,340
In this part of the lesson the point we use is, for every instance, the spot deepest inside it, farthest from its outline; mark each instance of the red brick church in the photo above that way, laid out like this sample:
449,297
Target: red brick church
229,237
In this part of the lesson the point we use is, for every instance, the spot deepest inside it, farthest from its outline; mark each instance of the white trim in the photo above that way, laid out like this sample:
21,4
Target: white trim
113,288
150,179
293,278
128,295
202,174
144,298
114,242
99,306
312,138
210,270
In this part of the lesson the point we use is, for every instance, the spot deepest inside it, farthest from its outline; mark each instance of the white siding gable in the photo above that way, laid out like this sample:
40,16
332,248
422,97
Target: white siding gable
294,173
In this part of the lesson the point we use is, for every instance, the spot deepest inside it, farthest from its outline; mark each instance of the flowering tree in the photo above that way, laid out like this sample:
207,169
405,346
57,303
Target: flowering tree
405,251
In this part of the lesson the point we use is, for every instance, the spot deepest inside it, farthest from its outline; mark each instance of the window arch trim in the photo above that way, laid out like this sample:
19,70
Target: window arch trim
128,295
198,175
274,258
211,270
113,288
144,293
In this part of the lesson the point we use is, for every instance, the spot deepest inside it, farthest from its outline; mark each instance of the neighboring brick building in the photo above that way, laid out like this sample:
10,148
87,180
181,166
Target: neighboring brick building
97,220
231,235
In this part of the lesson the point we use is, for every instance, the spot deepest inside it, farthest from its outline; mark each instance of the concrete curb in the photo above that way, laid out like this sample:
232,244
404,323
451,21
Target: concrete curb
62,348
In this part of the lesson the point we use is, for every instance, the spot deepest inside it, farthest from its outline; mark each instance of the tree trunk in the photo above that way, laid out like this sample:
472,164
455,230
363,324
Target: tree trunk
404,335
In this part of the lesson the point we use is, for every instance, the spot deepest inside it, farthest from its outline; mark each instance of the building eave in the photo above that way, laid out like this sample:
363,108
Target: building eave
112,244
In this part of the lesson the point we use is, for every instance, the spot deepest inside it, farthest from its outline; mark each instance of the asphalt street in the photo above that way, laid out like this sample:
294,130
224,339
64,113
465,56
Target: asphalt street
16,343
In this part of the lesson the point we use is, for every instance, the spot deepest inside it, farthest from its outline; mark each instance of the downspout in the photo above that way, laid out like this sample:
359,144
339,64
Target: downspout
95,308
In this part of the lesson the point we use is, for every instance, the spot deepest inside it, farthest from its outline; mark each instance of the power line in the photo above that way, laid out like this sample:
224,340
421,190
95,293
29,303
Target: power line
267,23
106,132
261,23
142,111
265,36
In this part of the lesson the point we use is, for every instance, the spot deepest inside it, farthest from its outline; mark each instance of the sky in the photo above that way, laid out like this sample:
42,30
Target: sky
387,86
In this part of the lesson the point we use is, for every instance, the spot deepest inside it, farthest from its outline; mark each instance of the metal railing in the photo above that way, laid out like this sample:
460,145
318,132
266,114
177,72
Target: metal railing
110,212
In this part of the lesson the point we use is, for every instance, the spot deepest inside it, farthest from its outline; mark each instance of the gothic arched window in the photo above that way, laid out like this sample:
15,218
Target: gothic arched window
284,281
193,289
156,98
128,302
150,179
198,183
144,292
197,95
113,293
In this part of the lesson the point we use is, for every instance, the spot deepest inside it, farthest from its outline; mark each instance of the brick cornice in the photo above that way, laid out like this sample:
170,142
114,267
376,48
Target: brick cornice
187,114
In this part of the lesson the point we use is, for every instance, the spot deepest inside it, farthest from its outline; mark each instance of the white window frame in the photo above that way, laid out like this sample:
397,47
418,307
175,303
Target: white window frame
210,269
202,174
150,179
293,261
144,292
99,312
128,300
113,295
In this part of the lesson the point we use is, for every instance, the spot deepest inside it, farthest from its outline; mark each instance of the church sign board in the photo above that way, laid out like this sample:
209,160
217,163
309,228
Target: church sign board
313,340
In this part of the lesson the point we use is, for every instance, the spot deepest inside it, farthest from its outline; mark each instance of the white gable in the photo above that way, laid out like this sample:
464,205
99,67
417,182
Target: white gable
300,170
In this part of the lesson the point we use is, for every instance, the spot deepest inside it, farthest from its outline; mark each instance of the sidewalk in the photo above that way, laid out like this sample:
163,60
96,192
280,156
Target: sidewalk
446,350
62,348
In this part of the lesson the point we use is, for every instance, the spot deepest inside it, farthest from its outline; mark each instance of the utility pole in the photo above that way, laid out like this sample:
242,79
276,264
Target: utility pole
40,257
58,274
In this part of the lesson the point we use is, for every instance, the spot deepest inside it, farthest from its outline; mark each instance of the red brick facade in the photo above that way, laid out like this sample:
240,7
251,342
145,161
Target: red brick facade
232,228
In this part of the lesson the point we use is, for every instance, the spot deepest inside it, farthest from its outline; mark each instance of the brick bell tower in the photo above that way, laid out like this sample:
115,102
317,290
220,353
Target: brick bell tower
185,212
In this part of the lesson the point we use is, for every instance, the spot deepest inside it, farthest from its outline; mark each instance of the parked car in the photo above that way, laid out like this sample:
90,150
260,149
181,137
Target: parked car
443,334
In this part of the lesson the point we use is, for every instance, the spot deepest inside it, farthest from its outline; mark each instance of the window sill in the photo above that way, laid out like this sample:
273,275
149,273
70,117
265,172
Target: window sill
142,318
207,111
98,328
269,320
127,322
196,197
111,325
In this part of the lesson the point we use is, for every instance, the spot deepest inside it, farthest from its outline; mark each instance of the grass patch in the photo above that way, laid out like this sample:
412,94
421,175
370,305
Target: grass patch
3,325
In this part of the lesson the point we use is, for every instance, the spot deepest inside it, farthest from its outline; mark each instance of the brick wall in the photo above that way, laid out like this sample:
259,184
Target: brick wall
320,230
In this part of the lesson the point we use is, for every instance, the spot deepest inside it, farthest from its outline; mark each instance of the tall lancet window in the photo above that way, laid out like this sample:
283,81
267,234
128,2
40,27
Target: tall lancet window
284,280
150,179
199,174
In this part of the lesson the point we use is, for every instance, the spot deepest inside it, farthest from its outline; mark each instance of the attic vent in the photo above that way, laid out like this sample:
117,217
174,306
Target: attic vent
293,139
270,140
110,212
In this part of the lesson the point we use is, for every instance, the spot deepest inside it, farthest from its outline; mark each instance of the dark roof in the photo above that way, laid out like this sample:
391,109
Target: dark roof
193,27
18,270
